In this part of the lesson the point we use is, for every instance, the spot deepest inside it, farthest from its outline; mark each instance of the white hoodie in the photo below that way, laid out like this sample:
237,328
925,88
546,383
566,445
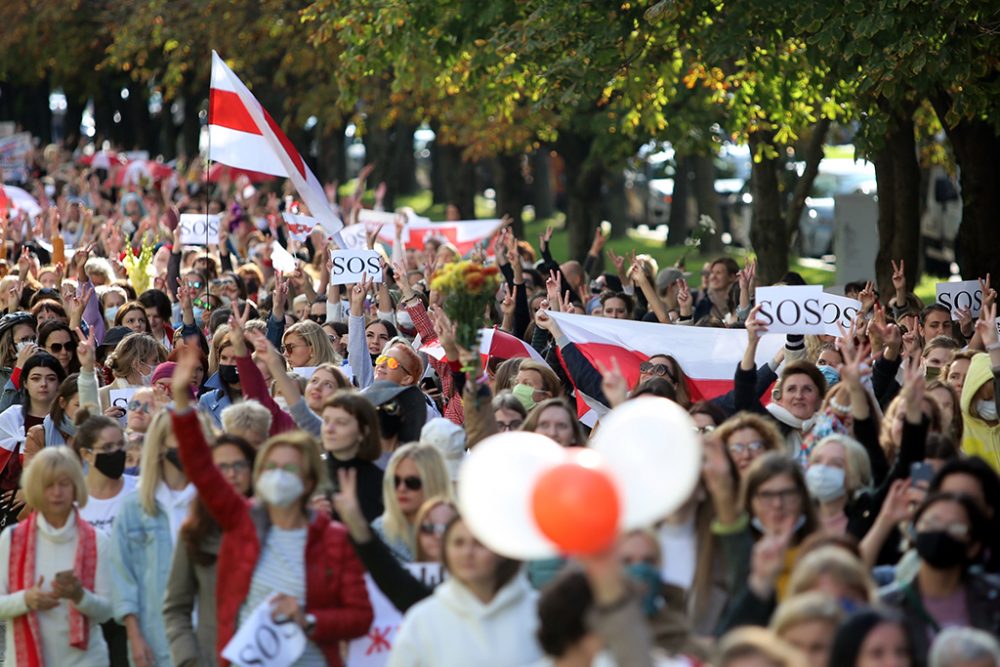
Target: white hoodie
453,628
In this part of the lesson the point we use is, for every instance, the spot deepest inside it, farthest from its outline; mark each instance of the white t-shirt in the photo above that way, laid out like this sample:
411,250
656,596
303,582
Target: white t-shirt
101,512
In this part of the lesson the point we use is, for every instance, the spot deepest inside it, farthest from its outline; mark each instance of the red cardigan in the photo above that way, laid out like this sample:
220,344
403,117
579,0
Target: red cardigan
254,386
335,585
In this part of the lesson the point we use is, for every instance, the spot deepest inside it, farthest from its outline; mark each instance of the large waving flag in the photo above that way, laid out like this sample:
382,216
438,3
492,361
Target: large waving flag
708,356
463,234
243,135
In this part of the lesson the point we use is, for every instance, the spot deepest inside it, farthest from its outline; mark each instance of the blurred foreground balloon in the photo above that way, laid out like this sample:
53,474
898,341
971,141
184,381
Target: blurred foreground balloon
576,504
654,453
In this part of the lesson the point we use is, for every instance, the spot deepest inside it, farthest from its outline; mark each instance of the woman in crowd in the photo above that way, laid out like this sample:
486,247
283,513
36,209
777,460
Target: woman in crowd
839,469
223,387
17,331
132,364
414,473
483,613
808,622
56,338
192,582
306,344
133,316
747,437
54,584
274,544
350,437
100,444
143,537
508,412
58,427
556,419
873,638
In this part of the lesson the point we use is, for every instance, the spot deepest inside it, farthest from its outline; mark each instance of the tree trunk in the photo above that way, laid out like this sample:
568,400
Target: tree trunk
615,202
459,180
542,197
678,223
404,162
976,147
332,158
584,173
708,203
813,156
768,232
439,190
508,173
898,175
191,127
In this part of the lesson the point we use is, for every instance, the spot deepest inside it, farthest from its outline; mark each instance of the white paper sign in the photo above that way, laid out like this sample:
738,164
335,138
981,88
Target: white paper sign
281,259
373,649
304,371
791,309
261,641
120,398
839,309
199,229
350,265
961,295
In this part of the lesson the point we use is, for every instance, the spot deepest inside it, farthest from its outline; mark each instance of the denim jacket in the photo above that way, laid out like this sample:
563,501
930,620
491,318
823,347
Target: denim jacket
214,399
141,553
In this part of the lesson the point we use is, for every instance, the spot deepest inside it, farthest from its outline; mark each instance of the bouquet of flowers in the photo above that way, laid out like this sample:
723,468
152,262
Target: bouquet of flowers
467,288
138,262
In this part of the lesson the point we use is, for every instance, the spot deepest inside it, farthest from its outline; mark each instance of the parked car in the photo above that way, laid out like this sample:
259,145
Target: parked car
940,221
837,176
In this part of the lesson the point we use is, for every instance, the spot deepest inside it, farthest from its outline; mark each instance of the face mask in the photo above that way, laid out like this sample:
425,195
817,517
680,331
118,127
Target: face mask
228,374
986,409
174,457
648,577
134,471
759,527
525,394
831,374
279,488
940,550
25,343
112,464
825,483
109,313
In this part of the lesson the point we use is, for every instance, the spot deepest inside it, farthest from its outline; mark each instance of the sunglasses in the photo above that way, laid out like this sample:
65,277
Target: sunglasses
658,370
56,348
139,406
318,319
411,483
391,362
430,528
203,304
224,282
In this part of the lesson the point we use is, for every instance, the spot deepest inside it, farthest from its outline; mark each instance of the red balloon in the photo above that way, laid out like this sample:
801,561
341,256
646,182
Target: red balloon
577,507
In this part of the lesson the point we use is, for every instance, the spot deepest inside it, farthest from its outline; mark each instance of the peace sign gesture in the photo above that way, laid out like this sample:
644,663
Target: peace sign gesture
899,280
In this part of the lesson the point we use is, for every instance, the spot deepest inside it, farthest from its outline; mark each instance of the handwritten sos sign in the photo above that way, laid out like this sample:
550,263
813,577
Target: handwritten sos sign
199,229
373,649
350,265
805,309
260,642
964,295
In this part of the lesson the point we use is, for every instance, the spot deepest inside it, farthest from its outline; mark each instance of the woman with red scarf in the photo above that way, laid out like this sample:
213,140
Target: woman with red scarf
54,586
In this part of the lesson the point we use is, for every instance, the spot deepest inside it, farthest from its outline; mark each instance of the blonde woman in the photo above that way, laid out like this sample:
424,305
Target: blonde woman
306,344
415,472
747,436
834,571
839,470
808,622
132,363
54,588
143,538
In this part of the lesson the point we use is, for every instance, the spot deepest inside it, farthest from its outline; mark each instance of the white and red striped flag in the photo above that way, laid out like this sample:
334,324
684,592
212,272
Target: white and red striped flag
708,356
243,135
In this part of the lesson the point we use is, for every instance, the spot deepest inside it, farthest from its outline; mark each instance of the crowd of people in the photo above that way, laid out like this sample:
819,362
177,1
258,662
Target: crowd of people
187,434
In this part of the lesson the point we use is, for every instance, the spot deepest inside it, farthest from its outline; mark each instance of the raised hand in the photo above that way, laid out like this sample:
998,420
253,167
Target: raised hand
766,562
755,328
867,296
188,363
854,366
899,280
509,297
280,296
552,285
613,382
599,240
685,302
618,261
986,325
545,238
86,350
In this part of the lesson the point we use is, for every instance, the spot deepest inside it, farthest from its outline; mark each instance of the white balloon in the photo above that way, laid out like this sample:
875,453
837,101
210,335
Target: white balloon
495,486
654,455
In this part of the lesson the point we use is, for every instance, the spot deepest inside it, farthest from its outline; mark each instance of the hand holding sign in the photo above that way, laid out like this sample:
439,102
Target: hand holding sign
198,229
966,294
348,266
262,641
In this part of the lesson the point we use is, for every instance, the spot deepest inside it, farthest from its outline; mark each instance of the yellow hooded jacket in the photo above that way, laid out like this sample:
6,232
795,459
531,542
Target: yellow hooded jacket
980,438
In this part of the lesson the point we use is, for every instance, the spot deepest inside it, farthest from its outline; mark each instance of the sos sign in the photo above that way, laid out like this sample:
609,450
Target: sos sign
350,265
805,310
199,229
964,295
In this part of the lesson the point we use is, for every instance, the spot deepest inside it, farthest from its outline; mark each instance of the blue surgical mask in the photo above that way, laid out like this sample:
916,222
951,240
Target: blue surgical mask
831,374
648,576
109,313
759,527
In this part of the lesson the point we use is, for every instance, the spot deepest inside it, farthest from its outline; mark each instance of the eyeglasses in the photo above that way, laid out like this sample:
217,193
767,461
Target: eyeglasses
430,528
708,428
288,467
411,483
508,426
236,467
782,497
659,370
56,348
740,448
140,406
959,531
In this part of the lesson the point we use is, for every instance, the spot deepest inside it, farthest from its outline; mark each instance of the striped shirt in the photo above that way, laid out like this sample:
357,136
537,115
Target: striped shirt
282,569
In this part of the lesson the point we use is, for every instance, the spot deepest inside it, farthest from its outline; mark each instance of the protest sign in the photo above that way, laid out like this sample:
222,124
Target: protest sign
199,229
791,309
14,152
839,310
261,641
350,265
373,649
120,398
964,295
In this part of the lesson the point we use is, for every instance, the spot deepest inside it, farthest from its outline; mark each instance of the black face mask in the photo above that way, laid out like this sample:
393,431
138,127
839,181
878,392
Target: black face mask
228,374
940,550
111,464
174,456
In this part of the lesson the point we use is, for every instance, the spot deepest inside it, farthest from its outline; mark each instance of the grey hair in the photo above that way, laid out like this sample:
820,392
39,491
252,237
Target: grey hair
962,645
247,416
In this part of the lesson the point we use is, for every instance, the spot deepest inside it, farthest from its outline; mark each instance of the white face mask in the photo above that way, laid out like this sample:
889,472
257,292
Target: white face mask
825,483
109,314
986,409
279,488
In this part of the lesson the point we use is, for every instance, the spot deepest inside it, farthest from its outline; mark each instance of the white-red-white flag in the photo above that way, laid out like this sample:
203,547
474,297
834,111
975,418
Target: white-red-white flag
243,135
